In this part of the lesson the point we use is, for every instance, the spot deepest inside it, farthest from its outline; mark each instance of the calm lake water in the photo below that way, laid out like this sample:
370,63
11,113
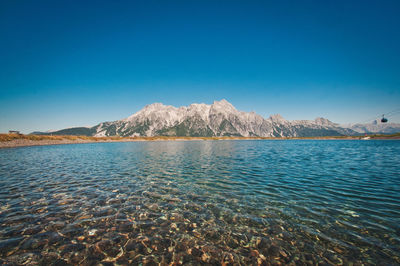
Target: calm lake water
234,202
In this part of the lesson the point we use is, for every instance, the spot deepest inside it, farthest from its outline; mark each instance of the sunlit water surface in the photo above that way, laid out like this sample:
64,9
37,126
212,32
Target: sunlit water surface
192,202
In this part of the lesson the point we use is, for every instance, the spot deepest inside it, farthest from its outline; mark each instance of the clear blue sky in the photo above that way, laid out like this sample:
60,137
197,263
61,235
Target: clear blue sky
78,63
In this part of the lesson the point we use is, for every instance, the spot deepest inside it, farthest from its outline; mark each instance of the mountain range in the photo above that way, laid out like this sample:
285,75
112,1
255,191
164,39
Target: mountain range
218,119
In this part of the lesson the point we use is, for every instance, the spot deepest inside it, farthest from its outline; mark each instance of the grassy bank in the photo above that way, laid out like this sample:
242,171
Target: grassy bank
10,137
17,140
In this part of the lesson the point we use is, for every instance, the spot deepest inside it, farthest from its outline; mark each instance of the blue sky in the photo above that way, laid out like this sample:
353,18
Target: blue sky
78,63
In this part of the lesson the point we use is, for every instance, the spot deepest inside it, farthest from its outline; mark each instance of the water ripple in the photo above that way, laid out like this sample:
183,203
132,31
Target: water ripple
212,202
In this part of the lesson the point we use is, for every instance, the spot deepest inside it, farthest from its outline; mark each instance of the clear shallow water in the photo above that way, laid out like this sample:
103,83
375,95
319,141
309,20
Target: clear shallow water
192,202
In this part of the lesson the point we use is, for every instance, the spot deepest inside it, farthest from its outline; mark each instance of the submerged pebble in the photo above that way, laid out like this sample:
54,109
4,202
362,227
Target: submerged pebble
92,232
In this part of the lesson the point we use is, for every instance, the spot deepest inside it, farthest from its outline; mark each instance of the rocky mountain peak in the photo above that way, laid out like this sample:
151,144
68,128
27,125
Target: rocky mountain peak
223,105
154,106
277,118
323,122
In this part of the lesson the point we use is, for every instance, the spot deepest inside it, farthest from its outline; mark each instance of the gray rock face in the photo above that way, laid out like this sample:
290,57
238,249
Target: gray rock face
218,119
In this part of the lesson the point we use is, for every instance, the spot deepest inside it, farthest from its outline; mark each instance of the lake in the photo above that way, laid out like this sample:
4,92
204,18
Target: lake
190,202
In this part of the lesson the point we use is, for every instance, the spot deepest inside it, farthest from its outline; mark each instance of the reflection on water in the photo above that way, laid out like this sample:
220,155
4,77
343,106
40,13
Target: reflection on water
193,202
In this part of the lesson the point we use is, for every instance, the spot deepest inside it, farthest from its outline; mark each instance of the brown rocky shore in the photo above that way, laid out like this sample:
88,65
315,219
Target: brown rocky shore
20,140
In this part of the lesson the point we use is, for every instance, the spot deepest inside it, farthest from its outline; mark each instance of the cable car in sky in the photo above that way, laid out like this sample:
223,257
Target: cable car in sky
384,120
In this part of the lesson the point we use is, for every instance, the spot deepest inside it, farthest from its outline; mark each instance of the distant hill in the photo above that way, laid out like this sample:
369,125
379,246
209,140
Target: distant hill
218,119
73,131
375,127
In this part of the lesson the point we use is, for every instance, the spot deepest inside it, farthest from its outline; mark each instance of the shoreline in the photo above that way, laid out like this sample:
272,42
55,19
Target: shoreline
14,141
